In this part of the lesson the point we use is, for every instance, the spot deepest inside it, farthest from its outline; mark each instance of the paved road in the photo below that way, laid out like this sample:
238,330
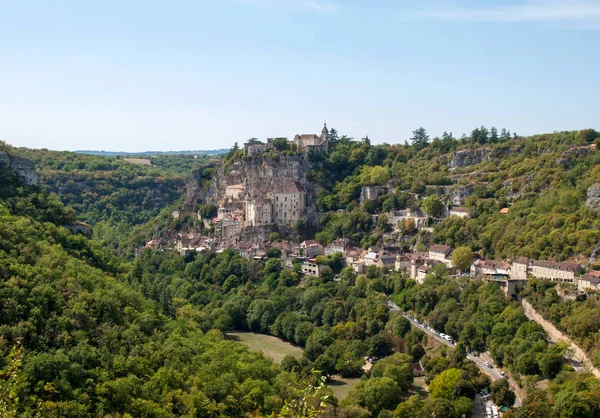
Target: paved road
494,373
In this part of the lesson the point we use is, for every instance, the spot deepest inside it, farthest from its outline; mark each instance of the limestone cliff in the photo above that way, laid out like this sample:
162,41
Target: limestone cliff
593,197
469,157
23,167
260,175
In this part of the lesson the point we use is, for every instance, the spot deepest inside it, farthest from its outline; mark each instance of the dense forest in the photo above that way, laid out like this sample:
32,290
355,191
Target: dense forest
87,332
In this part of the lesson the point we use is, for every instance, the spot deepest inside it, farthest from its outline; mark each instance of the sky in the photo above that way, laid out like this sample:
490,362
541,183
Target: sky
186,75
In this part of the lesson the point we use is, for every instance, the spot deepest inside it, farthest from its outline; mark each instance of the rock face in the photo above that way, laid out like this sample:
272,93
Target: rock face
468,157
24,167
593,197
260,175
460,193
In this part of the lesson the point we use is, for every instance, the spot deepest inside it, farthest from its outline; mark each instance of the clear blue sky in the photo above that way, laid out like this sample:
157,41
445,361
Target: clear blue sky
158,75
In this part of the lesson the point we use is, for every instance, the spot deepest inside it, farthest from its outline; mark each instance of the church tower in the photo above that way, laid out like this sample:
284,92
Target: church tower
324,134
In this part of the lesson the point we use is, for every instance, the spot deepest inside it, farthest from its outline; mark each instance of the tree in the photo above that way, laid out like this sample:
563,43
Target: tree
11,383
374,176
442,386
432,205
410,225
280,144
409,408
400,326
550,364
501,393
208,211
587,136
380,393
420,139
462,258
273,253
569,404
326,274
462,406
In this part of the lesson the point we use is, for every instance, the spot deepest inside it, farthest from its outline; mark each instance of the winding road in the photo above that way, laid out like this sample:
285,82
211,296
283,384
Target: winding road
494,372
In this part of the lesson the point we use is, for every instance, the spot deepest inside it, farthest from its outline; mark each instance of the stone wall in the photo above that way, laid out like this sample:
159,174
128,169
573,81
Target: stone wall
557,335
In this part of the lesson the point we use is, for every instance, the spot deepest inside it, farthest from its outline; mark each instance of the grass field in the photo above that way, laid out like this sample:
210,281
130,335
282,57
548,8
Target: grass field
342,386
140,161
272,347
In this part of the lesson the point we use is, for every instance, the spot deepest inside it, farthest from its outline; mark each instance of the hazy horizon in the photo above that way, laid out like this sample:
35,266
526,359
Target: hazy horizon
132,76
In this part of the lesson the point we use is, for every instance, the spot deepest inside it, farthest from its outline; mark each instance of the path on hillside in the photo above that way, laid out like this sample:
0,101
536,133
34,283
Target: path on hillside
579,359
494,373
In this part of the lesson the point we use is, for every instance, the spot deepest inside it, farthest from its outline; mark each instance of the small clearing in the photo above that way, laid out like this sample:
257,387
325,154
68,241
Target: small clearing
140,161
341,386
272,347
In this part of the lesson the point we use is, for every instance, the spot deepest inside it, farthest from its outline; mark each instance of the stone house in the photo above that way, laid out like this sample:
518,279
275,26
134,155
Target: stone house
589,281
340,245
441,253
460,212
402,263
310,249
386,261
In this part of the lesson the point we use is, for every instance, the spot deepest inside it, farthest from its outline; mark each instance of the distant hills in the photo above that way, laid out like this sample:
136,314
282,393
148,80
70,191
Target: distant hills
152,153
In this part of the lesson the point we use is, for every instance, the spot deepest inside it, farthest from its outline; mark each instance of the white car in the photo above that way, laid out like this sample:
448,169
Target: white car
487,363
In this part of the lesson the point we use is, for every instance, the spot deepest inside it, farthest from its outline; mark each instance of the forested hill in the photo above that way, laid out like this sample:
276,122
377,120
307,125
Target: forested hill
113,195
77,340
543,181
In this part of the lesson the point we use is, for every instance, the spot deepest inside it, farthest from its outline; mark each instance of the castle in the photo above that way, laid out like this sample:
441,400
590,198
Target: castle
302,142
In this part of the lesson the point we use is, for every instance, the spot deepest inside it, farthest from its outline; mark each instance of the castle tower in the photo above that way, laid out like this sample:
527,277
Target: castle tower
324,134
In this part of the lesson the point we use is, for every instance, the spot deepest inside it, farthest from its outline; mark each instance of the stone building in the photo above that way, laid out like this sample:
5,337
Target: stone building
589,281
289,204
546,270
312,268
259,212
340,245
441,253
313,142
310,248
234,191
371,192
460,212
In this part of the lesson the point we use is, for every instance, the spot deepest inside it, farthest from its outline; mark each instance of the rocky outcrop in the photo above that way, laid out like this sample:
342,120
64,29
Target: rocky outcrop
23,167
567,157
593,197
261,176
469,157
458,195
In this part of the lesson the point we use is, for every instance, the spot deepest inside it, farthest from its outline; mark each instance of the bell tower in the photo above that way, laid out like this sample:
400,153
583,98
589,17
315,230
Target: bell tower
324,134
